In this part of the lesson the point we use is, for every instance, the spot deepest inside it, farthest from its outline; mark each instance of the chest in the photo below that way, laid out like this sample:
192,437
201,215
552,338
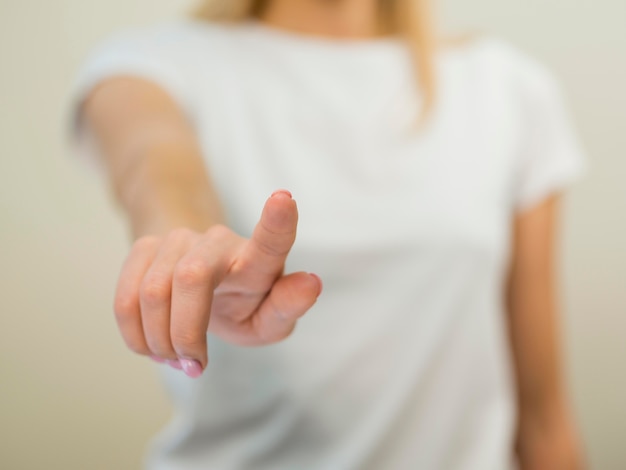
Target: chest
364,180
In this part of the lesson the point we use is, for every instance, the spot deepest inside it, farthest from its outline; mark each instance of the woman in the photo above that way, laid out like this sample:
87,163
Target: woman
427,176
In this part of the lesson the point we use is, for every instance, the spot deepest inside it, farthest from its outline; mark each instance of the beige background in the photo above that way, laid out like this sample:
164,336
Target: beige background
71,397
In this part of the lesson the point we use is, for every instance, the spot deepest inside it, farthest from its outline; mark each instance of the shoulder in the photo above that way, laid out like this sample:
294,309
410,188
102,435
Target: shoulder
503,74
177,55
514,68
175,36
171,52
182,42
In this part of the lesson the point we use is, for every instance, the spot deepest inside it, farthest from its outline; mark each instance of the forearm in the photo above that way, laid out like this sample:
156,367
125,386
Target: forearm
546,434
158,196
153,159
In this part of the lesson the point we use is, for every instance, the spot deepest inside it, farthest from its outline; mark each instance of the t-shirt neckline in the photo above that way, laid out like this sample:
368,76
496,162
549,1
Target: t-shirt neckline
262,29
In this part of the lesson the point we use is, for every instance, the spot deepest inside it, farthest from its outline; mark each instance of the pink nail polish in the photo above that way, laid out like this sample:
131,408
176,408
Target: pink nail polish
174,363
192,368
282,191
157,359
319,281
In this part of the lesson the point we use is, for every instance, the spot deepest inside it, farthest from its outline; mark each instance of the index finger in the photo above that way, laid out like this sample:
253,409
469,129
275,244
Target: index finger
263,257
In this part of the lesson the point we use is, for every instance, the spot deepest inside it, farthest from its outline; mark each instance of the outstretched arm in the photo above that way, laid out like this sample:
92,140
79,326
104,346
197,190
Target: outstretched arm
186,272
149,149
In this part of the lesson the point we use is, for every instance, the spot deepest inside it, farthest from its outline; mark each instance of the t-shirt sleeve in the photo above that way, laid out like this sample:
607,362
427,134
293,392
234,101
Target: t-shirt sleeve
551,156
149,55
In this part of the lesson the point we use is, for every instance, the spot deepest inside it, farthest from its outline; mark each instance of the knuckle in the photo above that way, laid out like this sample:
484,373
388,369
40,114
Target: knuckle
218,232
278,328
278,227
192,272
155,289
145,242
124,306
179,234
268,248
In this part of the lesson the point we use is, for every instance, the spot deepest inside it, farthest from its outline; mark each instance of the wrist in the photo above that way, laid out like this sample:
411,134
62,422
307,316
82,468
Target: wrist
548,438
163,220
156,206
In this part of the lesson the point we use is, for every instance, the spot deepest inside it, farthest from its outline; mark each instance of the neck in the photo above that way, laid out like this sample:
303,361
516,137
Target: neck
349,19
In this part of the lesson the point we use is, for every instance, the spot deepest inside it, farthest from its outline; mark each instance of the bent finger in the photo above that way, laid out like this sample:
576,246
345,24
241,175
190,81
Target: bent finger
156,291
126,301
195,278
290,298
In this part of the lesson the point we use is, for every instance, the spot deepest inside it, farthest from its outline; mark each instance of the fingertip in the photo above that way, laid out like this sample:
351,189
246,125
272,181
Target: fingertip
280,214
191,368
282,193
282,198
320,284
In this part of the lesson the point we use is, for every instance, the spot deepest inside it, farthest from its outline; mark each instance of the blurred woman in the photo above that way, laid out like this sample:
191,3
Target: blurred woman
427,174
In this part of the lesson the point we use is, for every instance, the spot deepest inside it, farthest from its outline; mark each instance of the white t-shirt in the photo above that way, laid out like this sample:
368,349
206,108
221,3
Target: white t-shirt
403,363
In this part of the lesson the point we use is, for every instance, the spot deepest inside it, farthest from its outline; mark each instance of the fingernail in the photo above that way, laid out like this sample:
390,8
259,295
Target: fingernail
319,282
192,368
282,191
157,359
174,363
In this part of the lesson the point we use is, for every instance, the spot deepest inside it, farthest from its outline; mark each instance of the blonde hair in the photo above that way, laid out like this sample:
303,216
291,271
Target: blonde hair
409,19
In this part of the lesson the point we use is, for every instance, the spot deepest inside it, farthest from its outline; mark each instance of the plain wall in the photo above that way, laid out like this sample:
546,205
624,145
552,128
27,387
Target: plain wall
72,397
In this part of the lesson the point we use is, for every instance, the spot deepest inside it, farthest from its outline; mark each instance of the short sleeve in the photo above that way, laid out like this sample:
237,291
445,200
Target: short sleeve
551,156
148,54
